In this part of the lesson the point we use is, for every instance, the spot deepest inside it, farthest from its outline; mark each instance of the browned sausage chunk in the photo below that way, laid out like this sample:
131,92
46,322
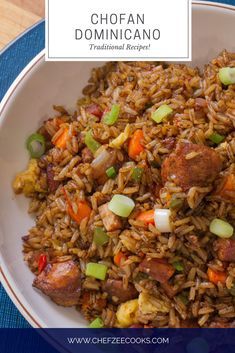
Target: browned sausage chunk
225,249
114,288
110,220
61,282
51,182
158,269
191,165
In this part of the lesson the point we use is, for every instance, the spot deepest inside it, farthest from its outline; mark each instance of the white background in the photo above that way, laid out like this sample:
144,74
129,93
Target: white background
170,16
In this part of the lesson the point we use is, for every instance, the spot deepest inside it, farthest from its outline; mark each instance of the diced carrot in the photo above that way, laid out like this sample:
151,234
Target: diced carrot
119,258
146,216
136,144
83,209
227,188
216,276
61,140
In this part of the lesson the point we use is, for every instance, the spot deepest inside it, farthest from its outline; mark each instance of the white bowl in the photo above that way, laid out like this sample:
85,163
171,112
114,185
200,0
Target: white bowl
27,103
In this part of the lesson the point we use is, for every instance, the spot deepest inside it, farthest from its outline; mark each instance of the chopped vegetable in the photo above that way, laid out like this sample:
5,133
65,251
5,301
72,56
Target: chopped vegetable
176,203
121,139
178,266
111,172
216,138
121,205
36,145
162,220
221,228
96,270
83,209
97,323
100,236
91,143
111,117
216,276
146,216
161,113
136,144
227,75
227,188
126,313
137,174
42,262
103,160
119,258
61,140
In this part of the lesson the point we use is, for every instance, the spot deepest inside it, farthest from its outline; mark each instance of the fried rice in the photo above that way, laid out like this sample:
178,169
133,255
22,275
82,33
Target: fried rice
134,293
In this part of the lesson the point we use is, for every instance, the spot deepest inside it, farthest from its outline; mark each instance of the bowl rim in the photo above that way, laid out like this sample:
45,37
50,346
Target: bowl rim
6,278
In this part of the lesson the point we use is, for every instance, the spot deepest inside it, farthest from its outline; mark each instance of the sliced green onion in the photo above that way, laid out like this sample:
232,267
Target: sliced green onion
137,174
100,236
178,266
97,323
176,203
161,113
36,145
221,228
227,75
91,143
96,270
111,172
121,205
216,138
111,117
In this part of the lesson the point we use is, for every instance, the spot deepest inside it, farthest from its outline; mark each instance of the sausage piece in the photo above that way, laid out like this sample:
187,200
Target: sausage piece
110,220
94,109
51,182
61,282
158,269
191,165
114,288
225,249
226,188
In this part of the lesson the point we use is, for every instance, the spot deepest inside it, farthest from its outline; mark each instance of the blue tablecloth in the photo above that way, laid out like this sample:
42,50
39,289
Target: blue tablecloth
12,60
